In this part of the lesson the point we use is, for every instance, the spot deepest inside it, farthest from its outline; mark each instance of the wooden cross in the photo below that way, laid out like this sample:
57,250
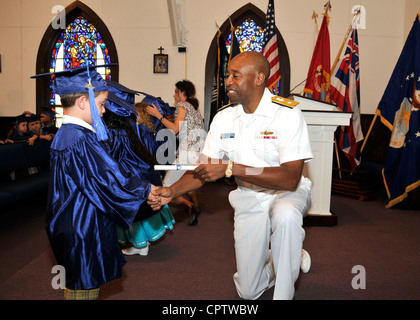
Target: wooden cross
160,49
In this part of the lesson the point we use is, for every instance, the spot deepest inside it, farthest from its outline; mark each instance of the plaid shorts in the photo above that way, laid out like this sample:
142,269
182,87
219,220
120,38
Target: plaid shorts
91,294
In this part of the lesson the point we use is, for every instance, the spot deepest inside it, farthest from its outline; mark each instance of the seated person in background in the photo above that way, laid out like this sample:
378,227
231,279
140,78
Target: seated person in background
34,127
47,118
19,132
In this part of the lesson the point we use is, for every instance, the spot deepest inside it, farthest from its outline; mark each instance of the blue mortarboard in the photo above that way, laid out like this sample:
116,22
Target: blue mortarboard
48,112
82,79
122,91
24,117
161,105
120,99
33,117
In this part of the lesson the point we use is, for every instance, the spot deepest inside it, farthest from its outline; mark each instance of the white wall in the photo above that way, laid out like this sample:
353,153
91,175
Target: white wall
139,27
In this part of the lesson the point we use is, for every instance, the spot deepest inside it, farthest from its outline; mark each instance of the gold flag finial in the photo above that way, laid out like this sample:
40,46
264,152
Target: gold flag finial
218,28
327,7
232,28
315,16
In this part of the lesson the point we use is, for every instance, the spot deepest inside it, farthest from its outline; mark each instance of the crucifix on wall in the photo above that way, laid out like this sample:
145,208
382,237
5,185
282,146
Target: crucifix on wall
160,62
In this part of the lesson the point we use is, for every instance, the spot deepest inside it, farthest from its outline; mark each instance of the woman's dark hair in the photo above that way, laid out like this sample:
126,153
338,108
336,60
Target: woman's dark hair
188,88
118,122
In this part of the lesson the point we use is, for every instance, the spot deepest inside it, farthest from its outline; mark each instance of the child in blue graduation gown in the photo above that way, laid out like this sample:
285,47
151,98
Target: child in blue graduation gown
89,192
21,133
134,156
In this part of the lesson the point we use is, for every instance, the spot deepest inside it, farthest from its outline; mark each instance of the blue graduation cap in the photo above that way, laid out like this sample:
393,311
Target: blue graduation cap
120,99
48,112
33,117
164,108
122,91
82,79
24,117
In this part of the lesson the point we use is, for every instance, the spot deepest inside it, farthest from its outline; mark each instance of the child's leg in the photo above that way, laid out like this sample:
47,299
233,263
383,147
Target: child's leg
91,294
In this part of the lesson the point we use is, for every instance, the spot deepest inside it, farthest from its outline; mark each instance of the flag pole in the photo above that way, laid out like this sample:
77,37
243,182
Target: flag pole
218,67
338,158
368,133
232,29
327,7
344,41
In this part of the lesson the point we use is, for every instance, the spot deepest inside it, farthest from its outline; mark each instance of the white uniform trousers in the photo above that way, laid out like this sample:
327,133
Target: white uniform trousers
264,220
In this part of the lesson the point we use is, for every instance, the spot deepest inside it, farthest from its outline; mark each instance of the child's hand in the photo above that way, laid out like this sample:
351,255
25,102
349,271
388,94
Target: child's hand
154,201
31,140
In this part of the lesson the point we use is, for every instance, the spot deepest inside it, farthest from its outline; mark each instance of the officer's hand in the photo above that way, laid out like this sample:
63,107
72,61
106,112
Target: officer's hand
160,197
210,172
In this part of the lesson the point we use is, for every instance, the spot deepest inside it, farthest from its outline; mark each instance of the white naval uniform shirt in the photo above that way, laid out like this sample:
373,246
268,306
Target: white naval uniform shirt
270,136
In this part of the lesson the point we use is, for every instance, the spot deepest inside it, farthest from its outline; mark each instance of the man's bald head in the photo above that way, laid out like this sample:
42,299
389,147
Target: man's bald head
255,58
247,79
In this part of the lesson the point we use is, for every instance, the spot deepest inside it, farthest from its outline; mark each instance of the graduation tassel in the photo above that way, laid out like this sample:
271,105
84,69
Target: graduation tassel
97,122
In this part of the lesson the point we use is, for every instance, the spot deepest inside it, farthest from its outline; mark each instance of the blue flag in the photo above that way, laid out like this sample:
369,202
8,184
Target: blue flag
399,111
219,91
234,44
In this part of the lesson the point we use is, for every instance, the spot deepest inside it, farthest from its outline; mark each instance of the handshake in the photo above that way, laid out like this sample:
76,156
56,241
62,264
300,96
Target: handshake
159,196
194,178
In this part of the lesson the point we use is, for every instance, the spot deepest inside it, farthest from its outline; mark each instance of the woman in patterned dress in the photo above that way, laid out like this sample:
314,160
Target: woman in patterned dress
189,128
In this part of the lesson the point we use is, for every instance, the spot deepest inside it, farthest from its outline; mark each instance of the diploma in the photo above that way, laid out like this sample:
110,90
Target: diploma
173,167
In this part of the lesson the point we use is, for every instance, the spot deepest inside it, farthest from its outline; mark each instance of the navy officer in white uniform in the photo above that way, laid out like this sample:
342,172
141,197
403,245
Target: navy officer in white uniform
262,140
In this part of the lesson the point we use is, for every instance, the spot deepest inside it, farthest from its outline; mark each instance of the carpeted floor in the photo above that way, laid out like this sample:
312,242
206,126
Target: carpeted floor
197,263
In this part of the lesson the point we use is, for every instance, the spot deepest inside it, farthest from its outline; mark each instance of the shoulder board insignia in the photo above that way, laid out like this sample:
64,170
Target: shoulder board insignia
226,106
284,102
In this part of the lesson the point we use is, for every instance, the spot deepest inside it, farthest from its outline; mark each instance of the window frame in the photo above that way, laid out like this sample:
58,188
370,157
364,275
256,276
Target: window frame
49,40
237,18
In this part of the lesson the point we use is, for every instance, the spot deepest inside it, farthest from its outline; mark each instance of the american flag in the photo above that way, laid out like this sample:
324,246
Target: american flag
345,92
270,47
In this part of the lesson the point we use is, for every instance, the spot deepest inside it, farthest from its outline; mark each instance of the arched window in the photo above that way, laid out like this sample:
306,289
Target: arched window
85,39
249,24
250,36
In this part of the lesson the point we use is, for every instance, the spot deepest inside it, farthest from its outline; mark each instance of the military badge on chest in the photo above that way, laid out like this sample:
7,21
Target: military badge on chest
267,134
228,135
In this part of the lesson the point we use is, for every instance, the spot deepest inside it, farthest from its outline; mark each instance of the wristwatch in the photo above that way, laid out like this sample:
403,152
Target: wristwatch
228,172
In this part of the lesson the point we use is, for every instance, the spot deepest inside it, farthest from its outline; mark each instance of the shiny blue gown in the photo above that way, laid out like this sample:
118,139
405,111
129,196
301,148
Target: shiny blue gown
89,194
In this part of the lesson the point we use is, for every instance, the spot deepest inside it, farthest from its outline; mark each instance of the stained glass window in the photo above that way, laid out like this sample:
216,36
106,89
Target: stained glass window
80,43
250,36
